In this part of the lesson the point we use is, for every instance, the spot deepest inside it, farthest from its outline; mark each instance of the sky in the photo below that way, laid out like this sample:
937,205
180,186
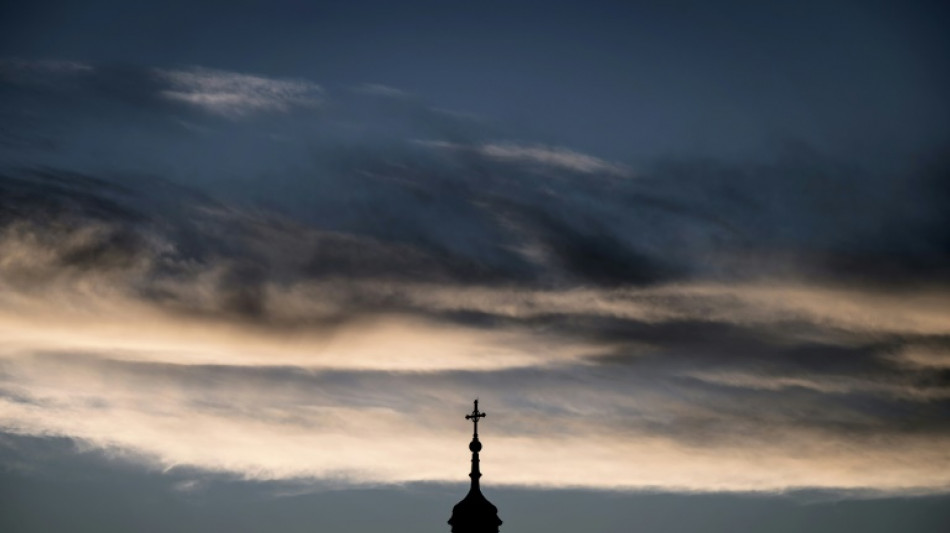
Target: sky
258,258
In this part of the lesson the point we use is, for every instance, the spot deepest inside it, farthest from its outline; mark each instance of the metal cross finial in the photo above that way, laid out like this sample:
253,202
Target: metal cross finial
474,416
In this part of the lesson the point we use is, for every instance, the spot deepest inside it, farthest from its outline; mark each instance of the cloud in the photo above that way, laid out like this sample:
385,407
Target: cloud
760,326
236,95
925,355
377,89
545,156
34,71
270,424
206,337
558,157
826,385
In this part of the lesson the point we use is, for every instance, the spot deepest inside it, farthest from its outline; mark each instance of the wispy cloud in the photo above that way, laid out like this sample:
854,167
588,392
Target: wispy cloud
275,423
536,154
12,66
235,95
378,89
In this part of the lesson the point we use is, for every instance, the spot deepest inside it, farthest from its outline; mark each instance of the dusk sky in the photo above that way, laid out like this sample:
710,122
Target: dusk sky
258,258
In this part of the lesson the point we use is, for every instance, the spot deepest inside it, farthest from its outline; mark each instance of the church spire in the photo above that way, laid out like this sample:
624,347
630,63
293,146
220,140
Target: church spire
475,446
475,514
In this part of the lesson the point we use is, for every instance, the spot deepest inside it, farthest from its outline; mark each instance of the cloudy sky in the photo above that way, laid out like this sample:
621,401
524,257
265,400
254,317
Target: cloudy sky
257,259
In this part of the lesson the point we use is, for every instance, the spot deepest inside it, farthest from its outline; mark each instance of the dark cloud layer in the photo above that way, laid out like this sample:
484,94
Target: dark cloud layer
376,208
147,233
801,213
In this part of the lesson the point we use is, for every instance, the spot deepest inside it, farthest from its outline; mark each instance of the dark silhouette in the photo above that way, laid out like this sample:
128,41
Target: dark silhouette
474,514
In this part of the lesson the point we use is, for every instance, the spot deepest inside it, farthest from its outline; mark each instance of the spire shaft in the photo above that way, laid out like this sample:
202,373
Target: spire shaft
475,446
476,473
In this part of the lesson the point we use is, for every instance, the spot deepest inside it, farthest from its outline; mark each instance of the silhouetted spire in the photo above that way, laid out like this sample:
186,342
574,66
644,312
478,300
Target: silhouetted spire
474,514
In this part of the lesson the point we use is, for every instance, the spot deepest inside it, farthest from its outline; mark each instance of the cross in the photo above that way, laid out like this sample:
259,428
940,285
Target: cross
474,416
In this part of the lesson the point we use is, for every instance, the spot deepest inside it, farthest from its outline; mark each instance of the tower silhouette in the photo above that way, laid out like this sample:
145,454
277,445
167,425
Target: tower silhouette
474,514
